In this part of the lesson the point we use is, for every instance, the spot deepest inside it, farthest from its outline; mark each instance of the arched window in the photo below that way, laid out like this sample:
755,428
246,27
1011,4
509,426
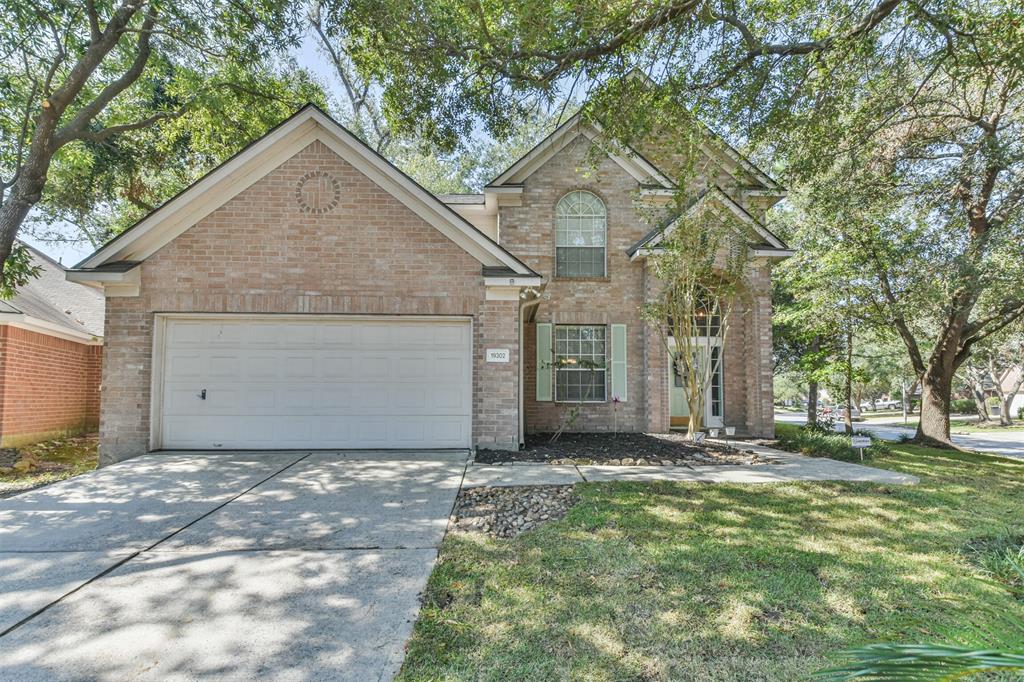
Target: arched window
580,226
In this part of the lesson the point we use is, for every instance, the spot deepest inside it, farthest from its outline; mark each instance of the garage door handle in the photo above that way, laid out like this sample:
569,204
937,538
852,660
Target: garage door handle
202,394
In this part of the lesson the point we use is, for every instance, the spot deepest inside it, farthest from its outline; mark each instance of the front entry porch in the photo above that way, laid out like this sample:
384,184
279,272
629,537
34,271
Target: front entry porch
679,408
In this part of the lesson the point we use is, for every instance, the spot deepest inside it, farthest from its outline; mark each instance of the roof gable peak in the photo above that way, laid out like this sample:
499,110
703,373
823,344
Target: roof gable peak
309,124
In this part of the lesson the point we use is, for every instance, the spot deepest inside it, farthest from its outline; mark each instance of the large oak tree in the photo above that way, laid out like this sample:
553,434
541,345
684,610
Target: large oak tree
901,118
108,107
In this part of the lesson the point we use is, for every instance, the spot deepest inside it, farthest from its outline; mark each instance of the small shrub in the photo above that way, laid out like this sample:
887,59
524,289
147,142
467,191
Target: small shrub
999,557
963,406
817,442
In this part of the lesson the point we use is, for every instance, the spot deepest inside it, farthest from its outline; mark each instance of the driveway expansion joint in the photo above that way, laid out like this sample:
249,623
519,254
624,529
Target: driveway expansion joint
133,555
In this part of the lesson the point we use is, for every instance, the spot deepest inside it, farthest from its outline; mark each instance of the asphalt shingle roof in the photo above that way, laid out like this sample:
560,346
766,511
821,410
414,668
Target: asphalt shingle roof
51,298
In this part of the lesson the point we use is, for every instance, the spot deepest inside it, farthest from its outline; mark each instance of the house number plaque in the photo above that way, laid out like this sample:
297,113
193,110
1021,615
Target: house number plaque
497,355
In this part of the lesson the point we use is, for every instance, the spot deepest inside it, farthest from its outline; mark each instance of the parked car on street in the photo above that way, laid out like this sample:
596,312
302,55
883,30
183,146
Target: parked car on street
840,413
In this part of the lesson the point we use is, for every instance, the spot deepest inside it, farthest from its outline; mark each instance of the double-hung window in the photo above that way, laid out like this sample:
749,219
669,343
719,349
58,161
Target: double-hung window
580,363
580,226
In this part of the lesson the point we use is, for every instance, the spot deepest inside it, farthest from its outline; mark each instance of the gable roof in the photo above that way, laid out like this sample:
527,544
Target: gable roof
716,143
632,161
55,302
629,158
718,195
261,156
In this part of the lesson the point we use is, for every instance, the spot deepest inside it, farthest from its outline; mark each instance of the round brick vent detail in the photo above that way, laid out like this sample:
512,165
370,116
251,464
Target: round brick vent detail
318,192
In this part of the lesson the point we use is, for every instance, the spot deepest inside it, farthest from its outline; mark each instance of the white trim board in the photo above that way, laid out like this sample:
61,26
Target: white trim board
34,324
725,200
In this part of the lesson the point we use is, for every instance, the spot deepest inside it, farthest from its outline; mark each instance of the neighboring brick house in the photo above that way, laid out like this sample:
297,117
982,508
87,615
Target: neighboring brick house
307,294
51,352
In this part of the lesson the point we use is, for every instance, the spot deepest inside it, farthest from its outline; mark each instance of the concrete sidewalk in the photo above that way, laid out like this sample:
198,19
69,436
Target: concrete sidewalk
785,466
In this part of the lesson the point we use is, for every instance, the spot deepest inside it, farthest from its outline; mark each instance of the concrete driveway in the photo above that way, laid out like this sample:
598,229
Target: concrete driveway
285,566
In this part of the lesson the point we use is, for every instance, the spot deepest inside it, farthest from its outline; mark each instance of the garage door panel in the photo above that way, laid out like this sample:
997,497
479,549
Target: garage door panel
333,398
223,335
260,365
321,383
297,366
186,365
337,367
221,365
259,399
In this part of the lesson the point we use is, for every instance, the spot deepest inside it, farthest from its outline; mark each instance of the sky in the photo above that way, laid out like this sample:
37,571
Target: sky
307,55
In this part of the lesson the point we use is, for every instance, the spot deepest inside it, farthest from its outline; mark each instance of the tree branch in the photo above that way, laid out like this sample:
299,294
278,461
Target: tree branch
77,128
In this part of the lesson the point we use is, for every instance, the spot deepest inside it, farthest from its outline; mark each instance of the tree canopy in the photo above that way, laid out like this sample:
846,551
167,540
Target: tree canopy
898,122
106,107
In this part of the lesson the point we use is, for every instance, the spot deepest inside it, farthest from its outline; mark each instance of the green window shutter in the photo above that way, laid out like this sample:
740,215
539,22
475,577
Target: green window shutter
619,362
544,361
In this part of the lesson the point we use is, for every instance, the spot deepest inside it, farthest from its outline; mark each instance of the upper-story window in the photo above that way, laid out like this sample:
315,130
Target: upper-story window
580,226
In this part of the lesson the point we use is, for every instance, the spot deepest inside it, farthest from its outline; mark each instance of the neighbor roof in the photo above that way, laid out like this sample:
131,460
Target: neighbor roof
54,300
252,163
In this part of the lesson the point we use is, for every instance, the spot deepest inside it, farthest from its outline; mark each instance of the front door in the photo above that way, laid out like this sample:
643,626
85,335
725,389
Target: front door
679,409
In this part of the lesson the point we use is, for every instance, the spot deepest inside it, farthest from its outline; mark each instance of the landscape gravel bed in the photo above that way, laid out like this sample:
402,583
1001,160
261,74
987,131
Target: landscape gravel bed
622,449
507,512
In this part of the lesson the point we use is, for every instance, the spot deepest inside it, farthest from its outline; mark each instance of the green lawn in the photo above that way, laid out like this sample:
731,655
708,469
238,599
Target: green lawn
961,425
720,582
972,426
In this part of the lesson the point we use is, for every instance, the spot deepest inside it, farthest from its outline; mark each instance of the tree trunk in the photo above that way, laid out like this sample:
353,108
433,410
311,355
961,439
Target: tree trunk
812,389
936,395
25,194
979,403
848,418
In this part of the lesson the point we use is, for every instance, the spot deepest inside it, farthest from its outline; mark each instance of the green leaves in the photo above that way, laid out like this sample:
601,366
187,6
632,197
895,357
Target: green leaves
18,271
922,663
182,86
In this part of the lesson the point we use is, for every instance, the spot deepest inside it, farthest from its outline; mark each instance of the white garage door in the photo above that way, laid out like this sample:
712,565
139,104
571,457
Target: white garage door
265,383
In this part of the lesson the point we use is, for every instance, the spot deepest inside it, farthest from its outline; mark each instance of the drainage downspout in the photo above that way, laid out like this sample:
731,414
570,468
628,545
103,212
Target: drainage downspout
523,307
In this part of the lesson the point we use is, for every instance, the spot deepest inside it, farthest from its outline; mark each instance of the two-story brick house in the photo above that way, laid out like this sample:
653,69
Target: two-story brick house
307,294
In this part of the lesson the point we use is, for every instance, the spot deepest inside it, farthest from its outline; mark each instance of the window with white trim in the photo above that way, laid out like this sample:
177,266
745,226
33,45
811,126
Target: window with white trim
580,363
580,225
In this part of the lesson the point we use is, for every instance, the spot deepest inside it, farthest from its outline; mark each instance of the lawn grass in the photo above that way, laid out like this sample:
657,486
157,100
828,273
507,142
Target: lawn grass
669,581
972,426
59,459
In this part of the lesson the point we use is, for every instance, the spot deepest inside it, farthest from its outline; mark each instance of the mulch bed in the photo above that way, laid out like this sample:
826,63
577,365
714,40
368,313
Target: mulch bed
628,449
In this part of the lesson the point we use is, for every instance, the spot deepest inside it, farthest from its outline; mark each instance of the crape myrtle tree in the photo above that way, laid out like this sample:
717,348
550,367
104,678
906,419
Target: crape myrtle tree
107,108
916,100
701,270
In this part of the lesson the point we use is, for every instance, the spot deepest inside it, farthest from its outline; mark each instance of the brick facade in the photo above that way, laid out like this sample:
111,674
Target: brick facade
265,252
262,253
528,231
49,386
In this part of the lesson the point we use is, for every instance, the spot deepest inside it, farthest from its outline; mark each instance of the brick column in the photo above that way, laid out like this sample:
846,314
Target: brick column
496,385
760,412
655,368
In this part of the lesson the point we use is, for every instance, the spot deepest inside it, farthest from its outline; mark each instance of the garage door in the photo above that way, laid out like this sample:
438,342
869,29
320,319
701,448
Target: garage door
335,382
